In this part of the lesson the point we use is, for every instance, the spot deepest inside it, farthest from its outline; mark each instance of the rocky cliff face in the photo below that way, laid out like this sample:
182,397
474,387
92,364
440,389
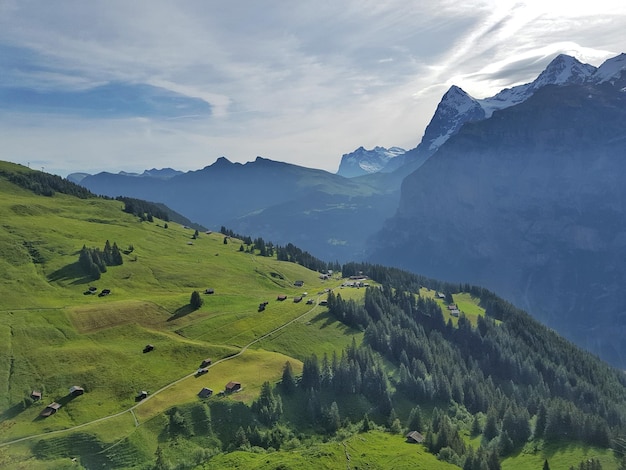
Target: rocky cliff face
529,203
457,107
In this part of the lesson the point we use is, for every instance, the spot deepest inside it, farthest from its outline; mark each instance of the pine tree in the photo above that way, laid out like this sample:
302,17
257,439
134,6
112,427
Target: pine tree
196,300
241,439
476,430
367,425
414,422
288,382
332,420
116,255
107,255
491,426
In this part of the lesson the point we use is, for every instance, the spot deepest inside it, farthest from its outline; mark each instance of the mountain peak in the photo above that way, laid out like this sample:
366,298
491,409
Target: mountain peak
563,69
455,108
611,70
221,162
363,161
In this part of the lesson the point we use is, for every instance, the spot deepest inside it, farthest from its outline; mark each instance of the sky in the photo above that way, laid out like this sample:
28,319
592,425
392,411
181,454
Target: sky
113,85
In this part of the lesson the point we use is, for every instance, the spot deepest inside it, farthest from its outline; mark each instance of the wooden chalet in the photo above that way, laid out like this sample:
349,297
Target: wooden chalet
281,297
205,392
35,395
50,409
414,437
75,390
297,299
298,283
206,362
233,387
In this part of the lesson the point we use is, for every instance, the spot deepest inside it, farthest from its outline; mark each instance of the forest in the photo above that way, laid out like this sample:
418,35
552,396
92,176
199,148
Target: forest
506,380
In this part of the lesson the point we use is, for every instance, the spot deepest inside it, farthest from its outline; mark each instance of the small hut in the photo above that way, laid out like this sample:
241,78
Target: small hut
233,387
141,395
148,348
35,395
75,390
206,362
205,392
50,409
414,437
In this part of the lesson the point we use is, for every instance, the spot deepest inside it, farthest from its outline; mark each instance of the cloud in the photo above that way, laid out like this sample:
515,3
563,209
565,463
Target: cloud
303,82
106,101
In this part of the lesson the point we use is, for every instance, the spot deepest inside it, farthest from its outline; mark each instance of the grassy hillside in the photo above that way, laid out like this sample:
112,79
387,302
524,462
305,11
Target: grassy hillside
54,335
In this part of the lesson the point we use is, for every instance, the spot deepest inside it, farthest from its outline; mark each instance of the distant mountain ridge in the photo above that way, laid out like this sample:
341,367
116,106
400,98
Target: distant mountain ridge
458,107
323,212
163,173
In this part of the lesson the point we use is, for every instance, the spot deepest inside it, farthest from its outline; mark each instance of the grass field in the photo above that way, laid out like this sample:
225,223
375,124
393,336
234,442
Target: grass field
372,450
53,336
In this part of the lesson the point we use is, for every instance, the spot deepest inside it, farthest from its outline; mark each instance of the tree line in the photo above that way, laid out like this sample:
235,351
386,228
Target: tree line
289,253
145,210
45,184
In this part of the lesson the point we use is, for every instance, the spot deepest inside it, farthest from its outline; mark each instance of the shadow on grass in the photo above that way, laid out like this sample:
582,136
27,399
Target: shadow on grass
324,317
63,401
181,312
15,410
72,272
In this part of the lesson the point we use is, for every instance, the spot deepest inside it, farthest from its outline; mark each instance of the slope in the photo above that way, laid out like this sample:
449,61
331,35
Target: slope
530,204
361,399
253,198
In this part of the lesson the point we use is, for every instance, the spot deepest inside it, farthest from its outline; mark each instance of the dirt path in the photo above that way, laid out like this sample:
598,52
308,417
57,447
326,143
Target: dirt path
171,384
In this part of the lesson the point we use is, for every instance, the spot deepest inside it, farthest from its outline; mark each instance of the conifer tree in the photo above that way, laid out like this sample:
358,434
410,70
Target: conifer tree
195,301
288,381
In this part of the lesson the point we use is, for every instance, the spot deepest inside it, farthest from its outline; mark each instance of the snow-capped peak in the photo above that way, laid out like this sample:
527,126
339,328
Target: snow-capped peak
563,69
458,100
363,161
455,109
611,70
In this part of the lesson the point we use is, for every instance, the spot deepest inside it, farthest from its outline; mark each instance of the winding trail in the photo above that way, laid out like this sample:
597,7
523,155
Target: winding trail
131,410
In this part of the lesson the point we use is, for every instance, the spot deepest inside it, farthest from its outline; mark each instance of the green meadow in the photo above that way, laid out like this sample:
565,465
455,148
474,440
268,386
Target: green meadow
54,335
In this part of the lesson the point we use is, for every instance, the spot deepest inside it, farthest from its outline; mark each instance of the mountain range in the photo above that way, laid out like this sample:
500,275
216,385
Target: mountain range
529,202
518,192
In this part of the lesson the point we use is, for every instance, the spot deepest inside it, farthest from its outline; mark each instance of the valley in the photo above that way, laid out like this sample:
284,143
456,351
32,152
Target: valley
57,332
